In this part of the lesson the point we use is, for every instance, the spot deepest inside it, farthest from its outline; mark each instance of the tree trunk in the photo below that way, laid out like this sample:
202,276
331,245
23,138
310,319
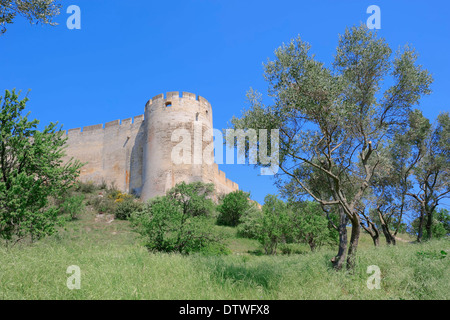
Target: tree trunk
353,242
339,259
429,224
390,239
376,241
420,232
372,230
312,244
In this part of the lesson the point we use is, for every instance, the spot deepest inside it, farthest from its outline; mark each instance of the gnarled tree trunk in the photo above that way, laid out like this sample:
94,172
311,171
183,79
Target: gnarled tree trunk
354,239
372,230
339,259
390,239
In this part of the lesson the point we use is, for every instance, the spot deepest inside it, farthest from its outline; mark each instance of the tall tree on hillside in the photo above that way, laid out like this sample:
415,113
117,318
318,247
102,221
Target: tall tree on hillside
35,11
333,119
392,181
432,173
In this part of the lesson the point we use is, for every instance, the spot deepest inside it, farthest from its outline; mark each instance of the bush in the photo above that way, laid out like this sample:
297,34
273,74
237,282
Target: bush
194,198
310,225
103,204
440,225
73,206
233,206
33,171
86,187
174,224
275,224
251,222
126,208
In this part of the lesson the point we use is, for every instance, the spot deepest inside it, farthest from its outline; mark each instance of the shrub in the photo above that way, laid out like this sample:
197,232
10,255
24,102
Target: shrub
174,224
275,224
103,185
251,222
86,187
194,198
126,208
73,206
119,197
232,208
310,226
33,171
440,226
103,204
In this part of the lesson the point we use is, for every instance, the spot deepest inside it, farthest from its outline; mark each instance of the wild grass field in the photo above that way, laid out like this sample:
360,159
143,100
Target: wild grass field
115,265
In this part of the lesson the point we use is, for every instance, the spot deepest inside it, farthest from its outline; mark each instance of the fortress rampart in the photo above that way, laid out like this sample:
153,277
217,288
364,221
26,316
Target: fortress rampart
142,155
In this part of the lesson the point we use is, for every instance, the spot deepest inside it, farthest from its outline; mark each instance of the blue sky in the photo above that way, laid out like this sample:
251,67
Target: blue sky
129,51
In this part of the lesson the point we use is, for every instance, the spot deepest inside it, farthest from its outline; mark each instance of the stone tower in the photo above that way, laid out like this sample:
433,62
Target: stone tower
177,121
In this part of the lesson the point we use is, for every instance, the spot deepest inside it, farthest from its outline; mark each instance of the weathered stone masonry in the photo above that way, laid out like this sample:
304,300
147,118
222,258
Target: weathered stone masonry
136,154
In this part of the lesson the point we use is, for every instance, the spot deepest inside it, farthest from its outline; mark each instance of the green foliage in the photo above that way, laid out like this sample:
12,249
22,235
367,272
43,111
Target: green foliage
31,171
86,187
310,225
333,120
441,223
432,254
103,204
35,11
113,257
250,223
194,198
232,207
440,226
286,223
73,206
275,224
431,171
126,208
178,222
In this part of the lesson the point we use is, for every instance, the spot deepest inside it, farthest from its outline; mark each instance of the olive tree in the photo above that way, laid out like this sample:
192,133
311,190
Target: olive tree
431,175
35,11
334,118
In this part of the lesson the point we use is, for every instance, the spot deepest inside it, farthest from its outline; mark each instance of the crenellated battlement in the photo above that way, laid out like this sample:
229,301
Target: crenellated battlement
174,97
97,128
221,178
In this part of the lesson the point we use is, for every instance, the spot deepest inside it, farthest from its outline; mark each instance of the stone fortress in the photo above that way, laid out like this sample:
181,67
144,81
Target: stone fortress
143,155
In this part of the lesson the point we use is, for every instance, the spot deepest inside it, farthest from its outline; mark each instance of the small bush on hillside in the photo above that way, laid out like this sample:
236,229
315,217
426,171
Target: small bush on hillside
73,206
103,185
126,208
194,198
275,224
177,222
310,225
103,205
86,187
251,222
232,207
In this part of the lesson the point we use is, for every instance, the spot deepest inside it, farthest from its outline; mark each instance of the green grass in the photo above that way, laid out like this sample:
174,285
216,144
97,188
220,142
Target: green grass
115,265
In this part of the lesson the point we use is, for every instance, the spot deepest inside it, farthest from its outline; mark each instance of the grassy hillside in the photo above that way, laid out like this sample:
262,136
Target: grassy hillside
114,265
